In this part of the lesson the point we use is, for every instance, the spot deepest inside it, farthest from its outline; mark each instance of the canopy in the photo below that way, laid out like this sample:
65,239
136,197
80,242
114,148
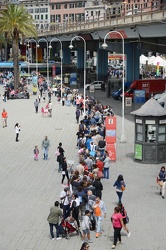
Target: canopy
151,59
159,61
143,59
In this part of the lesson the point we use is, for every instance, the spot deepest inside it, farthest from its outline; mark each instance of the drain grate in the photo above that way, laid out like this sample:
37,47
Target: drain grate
58,128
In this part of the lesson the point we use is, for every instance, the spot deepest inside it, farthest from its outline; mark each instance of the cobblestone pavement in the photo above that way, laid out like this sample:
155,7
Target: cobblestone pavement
28,188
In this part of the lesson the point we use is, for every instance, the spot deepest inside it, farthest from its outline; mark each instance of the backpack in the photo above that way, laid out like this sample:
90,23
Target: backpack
81,128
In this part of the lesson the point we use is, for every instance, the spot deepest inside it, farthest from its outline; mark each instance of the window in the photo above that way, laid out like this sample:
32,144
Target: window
41,17
58,6
52,18
71,6
36,17
58,18
52,6
139,135
150,133
65,6
37,10
162,133
91,13
71,17
46,16
30,10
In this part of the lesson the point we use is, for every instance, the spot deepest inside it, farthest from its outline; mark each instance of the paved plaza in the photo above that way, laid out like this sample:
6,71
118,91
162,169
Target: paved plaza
29,188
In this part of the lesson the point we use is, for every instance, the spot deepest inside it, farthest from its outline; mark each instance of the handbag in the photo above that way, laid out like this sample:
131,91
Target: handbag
123,188
62,203
63,172
57,152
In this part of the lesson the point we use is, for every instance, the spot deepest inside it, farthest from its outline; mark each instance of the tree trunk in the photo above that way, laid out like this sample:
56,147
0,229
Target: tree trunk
16,63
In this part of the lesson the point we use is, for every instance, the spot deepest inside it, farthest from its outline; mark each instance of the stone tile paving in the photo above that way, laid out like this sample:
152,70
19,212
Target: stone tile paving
28,188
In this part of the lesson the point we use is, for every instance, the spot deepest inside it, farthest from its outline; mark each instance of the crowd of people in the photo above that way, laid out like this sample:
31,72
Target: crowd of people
81,198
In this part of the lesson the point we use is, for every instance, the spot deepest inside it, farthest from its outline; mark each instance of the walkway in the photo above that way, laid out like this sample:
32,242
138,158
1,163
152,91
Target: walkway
28,188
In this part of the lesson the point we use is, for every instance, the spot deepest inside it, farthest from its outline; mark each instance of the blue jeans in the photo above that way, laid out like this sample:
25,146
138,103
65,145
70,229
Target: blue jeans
98,223
119,196
45,153
51,230
106,173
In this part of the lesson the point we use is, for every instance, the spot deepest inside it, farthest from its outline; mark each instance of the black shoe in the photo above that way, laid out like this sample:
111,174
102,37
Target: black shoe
160,193
163,197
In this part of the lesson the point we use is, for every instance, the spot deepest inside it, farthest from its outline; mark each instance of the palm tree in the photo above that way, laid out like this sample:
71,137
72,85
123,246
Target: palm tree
17,24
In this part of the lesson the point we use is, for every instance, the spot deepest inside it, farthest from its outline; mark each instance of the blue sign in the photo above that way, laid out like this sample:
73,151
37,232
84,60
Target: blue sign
139,96
73,79
34,79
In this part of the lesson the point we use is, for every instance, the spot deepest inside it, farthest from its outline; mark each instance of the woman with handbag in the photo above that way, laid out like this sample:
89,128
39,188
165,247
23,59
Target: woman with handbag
120,187
162,181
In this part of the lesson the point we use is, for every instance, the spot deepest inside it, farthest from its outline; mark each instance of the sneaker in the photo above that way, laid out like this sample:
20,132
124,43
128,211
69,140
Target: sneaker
129,234
163,197
53,238
119,242
113,246
160,193
59,238
90,241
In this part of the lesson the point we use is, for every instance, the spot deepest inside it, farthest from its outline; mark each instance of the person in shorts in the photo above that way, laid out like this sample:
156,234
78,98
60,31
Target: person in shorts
86,226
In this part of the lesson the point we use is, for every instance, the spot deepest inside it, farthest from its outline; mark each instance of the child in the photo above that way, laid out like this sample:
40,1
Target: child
86,226
36,153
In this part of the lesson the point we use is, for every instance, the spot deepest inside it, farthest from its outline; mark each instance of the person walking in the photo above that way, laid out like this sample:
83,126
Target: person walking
36,104
45,147
17,130
124,215
50,108
120,187
53,220
100,214
107,163
4,118
85,225
65,171
117,221
77,115
36,153
162,181
60,156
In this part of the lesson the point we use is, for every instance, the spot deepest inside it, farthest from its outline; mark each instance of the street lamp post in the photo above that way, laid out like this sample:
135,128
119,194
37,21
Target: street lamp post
71,47
38,45
61,56
28,59
104,45
33,40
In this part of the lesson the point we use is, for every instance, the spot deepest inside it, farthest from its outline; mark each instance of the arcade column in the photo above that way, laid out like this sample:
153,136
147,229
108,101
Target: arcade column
80,66
66,54
132,61
102,64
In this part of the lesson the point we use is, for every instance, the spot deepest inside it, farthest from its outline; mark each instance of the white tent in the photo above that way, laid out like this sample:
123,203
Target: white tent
159,61
143,59
151,60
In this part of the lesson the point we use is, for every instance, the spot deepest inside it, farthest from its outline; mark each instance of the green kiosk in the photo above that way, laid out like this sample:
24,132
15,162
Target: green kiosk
150,133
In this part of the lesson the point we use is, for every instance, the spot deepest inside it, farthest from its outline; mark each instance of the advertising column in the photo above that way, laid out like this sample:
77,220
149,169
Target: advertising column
110,138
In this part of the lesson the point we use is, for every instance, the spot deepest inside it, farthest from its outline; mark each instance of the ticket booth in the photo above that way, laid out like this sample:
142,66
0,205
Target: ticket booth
150,133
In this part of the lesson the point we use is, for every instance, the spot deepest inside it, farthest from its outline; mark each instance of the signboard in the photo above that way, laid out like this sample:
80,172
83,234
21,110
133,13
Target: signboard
128,101
138,151
110,123
53,71
139,96
34,79
91,88
73,79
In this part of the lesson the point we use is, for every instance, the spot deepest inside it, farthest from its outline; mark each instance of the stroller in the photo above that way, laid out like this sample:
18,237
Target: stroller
68,227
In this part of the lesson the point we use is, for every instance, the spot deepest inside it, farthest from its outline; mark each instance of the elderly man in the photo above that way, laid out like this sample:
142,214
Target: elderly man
99,213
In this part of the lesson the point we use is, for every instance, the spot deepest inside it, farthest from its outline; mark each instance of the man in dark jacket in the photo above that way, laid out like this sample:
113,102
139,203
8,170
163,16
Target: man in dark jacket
53,219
